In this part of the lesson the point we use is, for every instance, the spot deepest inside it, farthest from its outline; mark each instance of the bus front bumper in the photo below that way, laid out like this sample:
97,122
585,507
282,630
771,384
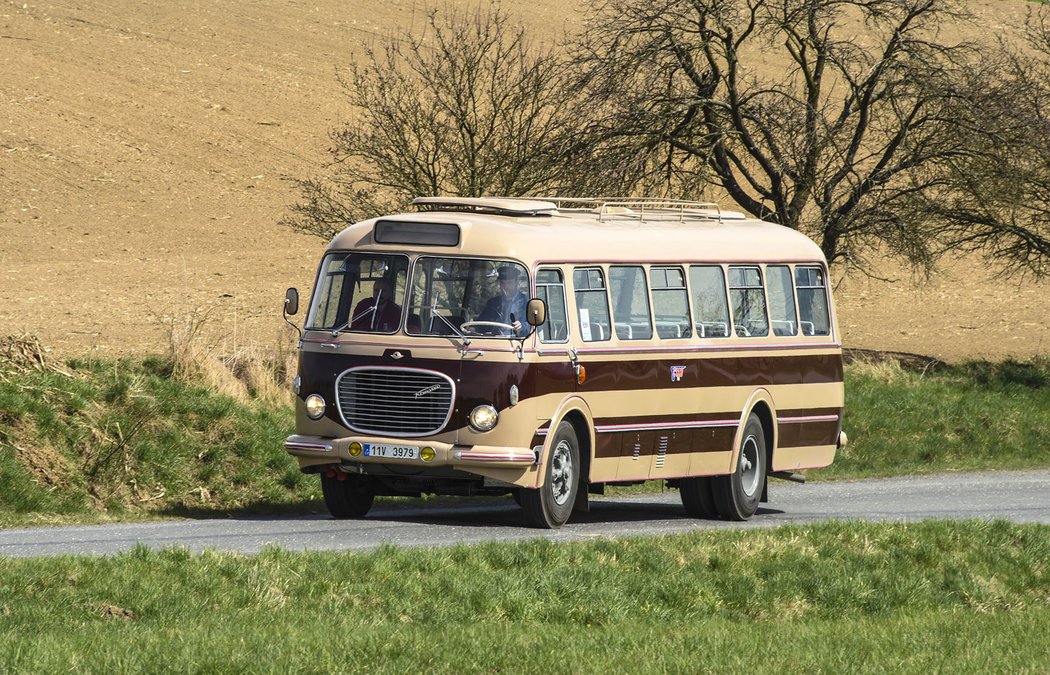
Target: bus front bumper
336,449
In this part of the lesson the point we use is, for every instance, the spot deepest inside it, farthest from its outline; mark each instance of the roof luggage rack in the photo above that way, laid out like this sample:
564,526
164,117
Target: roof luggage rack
604,207
639,207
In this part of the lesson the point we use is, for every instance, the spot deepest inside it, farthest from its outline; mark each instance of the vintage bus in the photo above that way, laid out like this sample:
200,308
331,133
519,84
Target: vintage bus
547,348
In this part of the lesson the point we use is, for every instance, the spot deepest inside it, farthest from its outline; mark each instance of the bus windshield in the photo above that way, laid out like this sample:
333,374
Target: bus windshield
475,297
359,292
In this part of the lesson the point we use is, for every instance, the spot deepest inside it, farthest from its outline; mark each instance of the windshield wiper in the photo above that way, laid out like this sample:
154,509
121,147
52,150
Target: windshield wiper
466,340
340,329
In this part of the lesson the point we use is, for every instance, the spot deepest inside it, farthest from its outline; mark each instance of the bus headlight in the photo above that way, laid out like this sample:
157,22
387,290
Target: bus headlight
483,418
315,406
427,454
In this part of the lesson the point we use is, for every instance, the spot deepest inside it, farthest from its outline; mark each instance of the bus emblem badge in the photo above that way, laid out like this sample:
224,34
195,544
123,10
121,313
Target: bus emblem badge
677,373
428,390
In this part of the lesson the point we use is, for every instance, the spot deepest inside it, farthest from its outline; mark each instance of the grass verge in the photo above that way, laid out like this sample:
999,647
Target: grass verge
969,596
968,417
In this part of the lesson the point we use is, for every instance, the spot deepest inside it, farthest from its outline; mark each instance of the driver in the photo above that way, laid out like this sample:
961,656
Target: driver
378,313
509,305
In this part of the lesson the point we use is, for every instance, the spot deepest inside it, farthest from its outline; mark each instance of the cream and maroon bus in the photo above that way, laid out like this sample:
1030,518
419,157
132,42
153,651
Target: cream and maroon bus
548,348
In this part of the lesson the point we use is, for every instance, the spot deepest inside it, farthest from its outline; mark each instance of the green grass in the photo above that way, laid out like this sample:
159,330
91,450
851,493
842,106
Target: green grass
969,596
125,440
970,417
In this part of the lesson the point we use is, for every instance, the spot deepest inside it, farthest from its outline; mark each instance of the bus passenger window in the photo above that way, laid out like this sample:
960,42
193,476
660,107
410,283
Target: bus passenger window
749,303
670,303
781,300
551,289
710,308
812,301
630,303
592,305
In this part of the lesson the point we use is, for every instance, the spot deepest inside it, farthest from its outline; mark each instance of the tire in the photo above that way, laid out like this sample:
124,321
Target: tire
698,497
551,505
737,495
348,498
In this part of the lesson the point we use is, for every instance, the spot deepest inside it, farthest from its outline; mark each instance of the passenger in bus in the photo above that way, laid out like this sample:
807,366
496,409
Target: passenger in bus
378,313
509,305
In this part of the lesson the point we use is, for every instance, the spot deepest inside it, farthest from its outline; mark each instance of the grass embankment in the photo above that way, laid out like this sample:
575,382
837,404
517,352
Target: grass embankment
836,597
969,417
91,440
96,439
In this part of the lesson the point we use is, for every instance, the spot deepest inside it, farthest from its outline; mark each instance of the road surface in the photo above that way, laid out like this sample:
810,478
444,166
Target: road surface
1017,496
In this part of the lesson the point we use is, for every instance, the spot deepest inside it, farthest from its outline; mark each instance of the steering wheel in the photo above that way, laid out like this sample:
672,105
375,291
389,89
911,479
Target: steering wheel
470,325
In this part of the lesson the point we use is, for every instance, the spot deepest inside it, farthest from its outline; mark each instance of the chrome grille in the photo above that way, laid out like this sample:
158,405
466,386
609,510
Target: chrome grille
395,401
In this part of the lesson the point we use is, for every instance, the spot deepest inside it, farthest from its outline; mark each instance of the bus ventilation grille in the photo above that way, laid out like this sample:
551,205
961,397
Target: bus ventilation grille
395,401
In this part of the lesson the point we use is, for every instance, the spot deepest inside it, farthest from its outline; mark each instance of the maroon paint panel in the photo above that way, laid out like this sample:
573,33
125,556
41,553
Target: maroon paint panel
805,434
478,381
679,441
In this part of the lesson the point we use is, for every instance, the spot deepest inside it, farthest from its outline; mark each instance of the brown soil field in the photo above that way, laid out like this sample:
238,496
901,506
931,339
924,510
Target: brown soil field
145,150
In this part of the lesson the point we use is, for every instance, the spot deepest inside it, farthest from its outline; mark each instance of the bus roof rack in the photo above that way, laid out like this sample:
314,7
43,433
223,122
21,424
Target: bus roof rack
640,207
619,207
509,206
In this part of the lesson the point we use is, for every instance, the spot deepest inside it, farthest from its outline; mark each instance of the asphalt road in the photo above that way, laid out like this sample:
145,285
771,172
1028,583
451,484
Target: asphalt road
1021,497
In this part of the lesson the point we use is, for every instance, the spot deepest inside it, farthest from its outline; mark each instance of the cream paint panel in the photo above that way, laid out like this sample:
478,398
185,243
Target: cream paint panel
795,459
674,466
639,403
631,468
710,463
661,237
604,470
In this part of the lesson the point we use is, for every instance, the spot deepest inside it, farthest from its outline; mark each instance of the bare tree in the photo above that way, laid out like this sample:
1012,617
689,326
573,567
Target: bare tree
468,107
834,117
997,197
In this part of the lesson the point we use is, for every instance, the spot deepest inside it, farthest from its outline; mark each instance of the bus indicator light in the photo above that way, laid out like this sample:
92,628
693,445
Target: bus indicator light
581,374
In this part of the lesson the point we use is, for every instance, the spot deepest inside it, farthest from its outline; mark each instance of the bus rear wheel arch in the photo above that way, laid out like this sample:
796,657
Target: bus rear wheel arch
550,505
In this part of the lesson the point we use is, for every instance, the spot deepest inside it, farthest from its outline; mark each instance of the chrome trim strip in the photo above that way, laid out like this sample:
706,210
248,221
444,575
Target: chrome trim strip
705,424
519,457
811,418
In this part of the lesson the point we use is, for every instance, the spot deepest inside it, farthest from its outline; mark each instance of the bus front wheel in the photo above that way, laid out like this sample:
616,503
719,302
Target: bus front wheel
550,506
737,495
346,495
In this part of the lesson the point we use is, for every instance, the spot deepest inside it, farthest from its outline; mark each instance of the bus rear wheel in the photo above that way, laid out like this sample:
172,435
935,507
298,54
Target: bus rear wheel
551,505
697,497
737,495
346,495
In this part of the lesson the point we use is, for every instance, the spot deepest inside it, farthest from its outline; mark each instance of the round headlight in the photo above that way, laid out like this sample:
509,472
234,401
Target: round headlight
427,454
355,449
484,417
314,407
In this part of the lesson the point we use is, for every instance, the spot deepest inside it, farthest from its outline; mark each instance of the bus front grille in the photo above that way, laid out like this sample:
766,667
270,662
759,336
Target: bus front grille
395,401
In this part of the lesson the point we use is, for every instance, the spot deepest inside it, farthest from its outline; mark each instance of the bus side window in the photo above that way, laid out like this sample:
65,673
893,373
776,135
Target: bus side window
781,300
670,302
551,289
710,308
812,301
592,304
749,302
630,300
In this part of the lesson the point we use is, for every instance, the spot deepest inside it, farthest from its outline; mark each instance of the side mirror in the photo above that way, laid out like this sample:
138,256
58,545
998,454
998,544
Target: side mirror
291,301
536,312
